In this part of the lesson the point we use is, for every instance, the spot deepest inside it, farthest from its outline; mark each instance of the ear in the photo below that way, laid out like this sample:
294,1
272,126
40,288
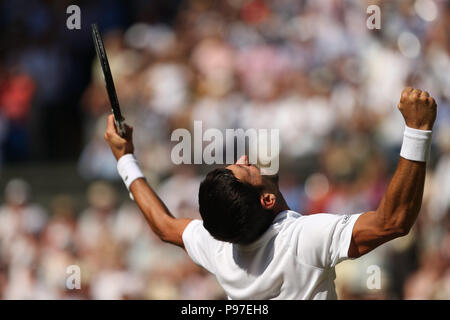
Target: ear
268,200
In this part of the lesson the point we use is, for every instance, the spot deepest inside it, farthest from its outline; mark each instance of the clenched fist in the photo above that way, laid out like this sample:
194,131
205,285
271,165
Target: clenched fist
119,146
418,109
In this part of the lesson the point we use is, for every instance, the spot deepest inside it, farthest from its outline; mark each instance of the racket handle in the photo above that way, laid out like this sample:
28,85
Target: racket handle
120,128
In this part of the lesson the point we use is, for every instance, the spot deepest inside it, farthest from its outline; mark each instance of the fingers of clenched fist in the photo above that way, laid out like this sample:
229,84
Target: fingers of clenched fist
119,145
418,108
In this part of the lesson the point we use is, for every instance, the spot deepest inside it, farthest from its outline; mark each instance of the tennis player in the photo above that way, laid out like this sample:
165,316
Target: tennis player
260,249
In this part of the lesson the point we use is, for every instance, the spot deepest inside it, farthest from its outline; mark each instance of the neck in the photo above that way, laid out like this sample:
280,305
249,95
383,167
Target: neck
281,204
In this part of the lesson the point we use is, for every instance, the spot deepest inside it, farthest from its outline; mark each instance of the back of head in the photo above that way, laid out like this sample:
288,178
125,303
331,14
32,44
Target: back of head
231,210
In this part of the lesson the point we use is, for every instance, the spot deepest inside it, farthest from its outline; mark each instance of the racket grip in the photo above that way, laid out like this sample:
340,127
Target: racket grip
120,128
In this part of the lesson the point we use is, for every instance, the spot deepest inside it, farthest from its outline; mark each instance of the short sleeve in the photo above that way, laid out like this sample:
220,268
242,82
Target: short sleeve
324,239
200,245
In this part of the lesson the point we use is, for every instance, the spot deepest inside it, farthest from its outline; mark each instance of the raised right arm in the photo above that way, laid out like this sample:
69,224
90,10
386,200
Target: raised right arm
401,203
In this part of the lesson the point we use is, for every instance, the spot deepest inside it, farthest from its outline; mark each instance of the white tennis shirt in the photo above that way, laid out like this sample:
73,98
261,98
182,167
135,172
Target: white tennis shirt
293,259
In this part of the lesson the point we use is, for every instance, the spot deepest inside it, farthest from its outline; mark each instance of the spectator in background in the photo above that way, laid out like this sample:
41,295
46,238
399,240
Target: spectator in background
21,224
17,214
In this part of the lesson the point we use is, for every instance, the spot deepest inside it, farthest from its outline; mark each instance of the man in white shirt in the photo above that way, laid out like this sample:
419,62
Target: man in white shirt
255,245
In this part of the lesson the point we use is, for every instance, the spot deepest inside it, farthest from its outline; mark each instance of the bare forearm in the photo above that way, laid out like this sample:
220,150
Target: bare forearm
156,213
396,213
401,203
154,210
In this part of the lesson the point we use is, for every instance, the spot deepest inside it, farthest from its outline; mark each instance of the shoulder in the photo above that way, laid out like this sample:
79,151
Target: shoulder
196,234
200,245
323,220
323,239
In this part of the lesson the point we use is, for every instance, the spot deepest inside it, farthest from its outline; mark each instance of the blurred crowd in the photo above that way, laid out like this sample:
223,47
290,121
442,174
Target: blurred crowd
313,70
115,254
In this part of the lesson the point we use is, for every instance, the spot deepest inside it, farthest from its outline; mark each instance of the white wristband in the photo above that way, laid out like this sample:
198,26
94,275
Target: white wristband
129,170
416,144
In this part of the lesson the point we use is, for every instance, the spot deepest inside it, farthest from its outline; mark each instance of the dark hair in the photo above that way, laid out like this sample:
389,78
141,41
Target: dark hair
230,209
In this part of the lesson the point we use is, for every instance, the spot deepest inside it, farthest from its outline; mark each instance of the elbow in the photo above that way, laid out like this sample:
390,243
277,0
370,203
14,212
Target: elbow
167,236
163,236
162,230
398,230
402,231
397,224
